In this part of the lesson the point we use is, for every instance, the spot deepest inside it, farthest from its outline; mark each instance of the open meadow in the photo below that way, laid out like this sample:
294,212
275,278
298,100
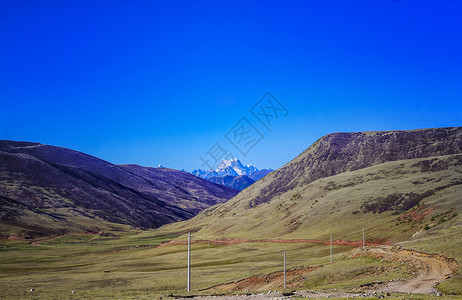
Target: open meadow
133,265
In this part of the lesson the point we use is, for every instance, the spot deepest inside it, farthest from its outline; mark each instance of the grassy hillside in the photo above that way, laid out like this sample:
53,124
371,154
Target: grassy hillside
342,152
394,201
415,203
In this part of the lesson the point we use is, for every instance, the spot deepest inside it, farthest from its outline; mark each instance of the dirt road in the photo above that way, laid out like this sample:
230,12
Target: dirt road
432,269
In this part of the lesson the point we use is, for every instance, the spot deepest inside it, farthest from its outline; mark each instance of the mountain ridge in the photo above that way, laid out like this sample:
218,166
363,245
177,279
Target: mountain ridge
307,164
239,182
66,190
233,167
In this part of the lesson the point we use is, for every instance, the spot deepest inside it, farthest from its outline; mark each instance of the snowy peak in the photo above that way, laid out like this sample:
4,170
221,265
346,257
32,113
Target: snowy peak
232,173
199,173
232,167
233,163
251,169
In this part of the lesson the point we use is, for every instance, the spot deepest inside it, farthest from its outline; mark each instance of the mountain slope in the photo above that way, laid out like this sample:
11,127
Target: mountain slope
379,198
347,181
179,188
48,190
236,182
340,152
260,174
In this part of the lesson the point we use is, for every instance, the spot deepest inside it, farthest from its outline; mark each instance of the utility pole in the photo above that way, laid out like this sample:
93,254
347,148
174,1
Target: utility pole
364,241
331,248
284,270
189,261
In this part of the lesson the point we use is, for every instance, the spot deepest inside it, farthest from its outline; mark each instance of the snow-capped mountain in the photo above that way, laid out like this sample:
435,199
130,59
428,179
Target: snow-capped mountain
231,167
236,166
232,173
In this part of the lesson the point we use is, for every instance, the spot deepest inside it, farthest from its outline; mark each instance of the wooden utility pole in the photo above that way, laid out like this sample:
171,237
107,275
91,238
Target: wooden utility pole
331,248
189,261
364,241
284,270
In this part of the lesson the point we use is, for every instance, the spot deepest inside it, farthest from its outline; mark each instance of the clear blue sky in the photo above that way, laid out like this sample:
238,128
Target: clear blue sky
152,82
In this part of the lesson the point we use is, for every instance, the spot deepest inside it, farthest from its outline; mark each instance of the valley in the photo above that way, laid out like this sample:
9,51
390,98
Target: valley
406,203
230,150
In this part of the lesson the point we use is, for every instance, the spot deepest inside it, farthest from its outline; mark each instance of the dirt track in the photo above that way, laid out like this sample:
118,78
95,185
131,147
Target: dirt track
432,269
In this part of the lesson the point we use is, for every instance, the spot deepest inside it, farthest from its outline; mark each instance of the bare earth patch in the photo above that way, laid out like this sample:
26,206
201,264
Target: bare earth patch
270,281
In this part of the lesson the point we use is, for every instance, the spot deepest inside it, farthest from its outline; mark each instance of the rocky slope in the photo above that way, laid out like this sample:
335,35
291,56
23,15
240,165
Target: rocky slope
340,152
48,190
260,174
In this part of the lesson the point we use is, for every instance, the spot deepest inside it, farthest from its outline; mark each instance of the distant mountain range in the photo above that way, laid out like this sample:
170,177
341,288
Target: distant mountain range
236,182
51,190
232,173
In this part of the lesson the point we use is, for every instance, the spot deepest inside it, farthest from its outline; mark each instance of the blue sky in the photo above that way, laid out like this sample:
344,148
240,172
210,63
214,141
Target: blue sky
160,82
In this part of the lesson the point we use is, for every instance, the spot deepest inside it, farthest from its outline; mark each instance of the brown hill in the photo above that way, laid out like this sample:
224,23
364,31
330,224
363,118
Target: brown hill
50,190
340,152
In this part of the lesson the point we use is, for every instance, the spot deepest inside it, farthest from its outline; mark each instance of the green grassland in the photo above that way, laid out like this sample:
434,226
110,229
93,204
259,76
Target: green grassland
132,265
127,263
